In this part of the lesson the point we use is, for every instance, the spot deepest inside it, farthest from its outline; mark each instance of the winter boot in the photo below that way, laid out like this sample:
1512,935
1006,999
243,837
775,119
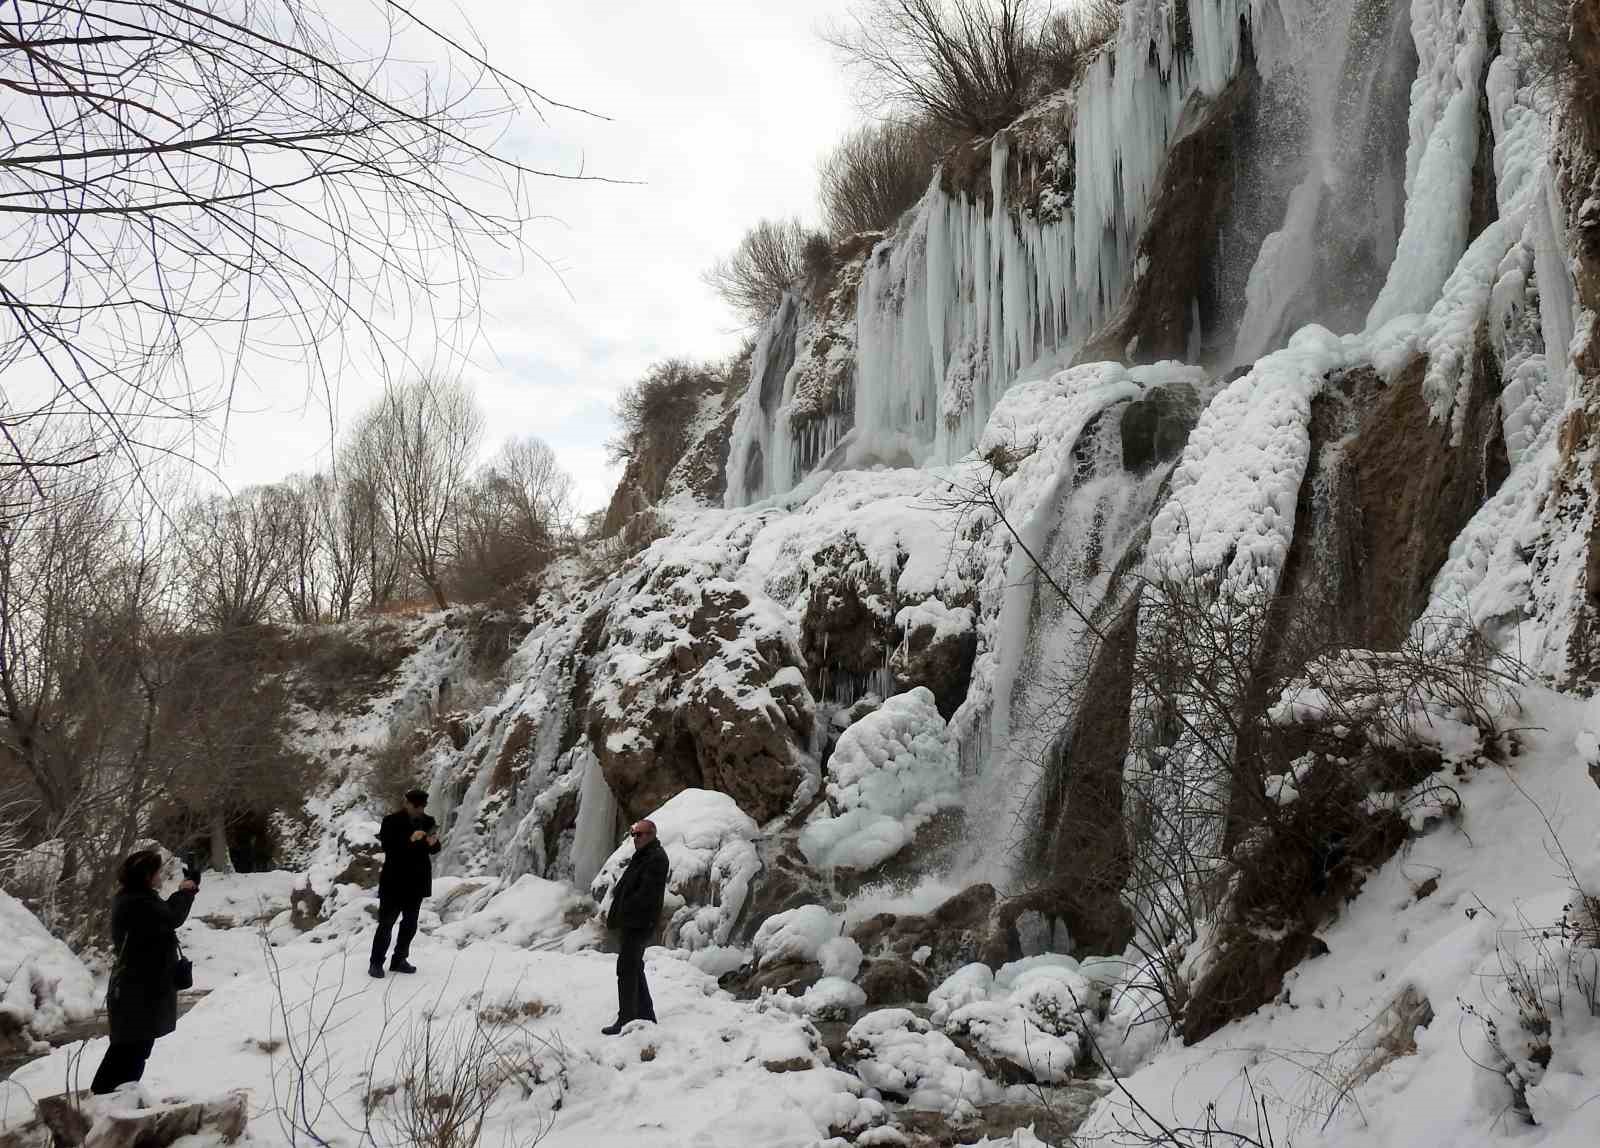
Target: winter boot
375,970
401,966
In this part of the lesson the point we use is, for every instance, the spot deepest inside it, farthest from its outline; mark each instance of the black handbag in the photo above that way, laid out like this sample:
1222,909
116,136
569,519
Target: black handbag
182,970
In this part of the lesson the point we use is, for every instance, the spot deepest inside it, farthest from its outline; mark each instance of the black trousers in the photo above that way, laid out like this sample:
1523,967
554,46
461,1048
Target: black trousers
633,994
124,1062
390,910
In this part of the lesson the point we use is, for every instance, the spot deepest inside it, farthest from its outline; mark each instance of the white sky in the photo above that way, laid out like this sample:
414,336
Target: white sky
720,107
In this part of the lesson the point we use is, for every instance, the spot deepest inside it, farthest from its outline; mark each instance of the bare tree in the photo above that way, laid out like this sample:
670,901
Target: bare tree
420,441
87,608
308,570
961,63
237,551
364,522
511,519
187,183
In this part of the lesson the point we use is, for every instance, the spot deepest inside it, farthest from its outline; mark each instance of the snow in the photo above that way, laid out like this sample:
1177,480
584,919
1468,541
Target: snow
898,1053
43,984
889,774
530,912
698,1077
796,935
1498,887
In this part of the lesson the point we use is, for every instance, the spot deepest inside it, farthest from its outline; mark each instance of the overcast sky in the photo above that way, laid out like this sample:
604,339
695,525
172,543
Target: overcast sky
719,107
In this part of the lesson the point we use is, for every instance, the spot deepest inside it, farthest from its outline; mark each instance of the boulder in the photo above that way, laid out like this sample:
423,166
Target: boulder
967,928
893,981
697,686
305,907
793,977
225,1117
936,650
67,1116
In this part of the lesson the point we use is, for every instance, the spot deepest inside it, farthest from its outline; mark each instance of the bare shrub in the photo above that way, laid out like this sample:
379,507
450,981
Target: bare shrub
396,765
450,1075
876,173
654,412
514,1011
511,521
769,260
1069,40
1562,44
963,65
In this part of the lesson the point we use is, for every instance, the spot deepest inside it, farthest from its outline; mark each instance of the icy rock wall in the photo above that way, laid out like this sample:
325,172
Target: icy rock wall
969,293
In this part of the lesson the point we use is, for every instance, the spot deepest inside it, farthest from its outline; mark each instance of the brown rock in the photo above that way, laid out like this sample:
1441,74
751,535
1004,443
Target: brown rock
1179,245
892,981
965,929
160,1126
65,1117
943,664
793,1064
305,907
33,1134
793,977
664,728
363,870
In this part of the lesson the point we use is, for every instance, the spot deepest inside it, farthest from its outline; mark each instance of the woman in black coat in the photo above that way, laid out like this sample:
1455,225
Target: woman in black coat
142,1000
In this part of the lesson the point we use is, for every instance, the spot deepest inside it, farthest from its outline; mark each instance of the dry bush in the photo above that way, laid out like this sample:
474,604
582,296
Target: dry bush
769,260
451,1075
655,411
1069,40
1562,39
876,173
963,65
395,766
514,1011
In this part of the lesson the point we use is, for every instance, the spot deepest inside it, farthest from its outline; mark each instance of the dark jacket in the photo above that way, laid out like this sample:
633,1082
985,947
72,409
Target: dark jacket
636,903
407,865
141,1000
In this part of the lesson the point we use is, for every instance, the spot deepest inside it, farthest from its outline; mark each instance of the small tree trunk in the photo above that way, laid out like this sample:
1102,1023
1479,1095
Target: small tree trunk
220,860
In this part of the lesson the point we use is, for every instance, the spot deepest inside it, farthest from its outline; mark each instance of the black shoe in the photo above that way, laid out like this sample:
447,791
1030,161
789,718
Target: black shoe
375,970
612,1029
398,966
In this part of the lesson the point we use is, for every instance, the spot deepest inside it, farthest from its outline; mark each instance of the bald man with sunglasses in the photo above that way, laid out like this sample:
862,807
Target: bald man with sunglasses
635,911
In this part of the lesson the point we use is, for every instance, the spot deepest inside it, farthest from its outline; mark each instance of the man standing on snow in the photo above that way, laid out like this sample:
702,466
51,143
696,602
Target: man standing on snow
410,839
635,909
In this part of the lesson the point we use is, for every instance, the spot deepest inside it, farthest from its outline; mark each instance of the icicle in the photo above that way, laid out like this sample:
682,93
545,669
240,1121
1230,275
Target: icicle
594,838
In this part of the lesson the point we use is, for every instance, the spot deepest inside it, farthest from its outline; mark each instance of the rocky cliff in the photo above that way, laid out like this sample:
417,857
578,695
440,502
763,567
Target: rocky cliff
1259,366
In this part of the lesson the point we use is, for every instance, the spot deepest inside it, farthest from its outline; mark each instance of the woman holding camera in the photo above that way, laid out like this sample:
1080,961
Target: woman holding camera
142,1000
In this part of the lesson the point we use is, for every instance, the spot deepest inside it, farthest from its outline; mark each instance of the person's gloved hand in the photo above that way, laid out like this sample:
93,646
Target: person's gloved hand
191,874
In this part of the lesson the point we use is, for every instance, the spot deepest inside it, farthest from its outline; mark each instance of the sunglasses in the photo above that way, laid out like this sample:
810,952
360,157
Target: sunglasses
636,834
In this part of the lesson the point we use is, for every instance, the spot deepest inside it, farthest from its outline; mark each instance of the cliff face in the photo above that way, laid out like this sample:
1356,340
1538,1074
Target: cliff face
1275,336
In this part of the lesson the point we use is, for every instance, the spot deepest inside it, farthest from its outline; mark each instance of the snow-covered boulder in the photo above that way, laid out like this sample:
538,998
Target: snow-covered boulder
901,1055
43,984
710,846
1027,1019
531,911
890,773
797,935
698,682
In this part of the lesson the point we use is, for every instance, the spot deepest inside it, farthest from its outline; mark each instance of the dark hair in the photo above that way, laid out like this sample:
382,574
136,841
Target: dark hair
417,797
138,868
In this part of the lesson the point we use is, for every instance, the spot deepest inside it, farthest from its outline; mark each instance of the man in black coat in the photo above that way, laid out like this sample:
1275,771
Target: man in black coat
635,910
410,839
142,997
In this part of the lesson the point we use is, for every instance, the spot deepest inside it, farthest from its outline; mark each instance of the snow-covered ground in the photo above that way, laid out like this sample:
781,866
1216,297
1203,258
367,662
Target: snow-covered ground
294,1017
